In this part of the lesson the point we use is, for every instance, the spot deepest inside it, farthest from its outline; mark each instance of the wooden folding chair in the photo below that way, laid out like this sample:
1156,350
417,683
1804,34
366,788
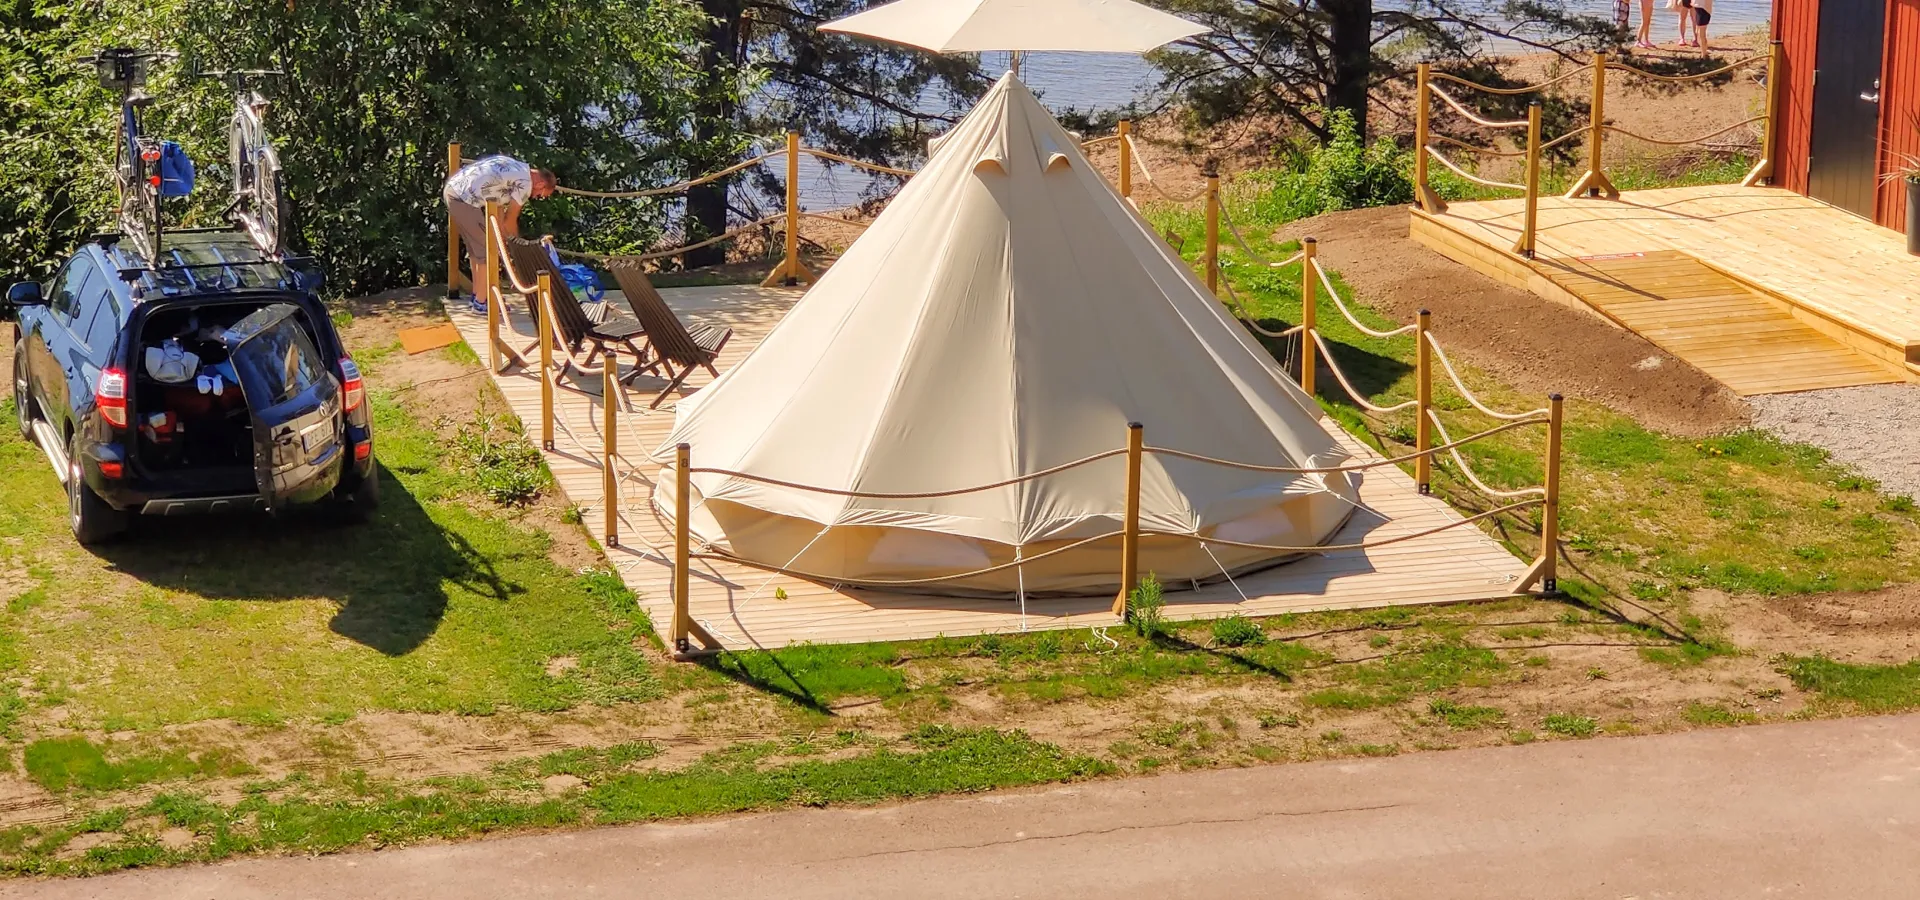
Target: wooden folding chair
572,329
669,340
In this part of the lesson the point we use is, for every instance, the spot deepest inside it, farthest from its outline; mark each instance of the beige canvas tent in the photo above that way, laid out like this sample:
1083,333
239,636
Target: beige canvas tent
1006,314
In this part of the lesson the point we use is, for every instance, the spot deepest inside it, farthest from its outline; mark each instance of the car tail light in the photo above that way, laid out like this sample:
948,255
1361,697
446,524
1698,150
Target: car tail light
110,395
111,470
362,450
353,389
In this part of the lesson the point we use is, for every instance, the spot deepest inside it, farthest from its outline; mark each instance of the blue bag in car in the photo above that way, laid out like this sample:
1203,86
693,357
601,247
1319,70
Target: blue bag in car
176,170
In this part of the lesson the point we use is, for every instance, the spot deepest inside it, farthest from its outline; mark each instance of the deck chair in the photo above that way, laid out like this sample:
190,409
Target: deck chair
672,344
572,329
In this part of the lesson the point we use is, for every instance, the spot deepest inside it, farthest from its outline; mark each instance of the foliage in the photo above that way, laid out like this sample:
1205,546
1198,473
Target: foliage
1146,608
1344,173
1287,59
58,764
1570,725
505,465
1873,688
1238,631
373,92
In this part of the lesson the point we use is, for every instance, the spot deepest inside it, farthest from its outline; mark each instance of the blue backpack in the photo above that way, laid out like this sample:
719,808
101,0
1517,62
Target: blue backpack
176,170
580,279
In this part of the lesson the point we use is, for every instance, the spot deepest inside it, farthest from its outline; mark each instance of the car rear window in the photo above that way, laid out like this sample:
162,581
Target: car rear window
281,358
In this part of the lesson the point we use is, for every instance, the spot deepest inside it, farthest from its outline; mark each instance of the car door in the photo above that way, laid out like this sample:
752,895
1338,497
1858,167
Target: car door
91,333
294,400
53,347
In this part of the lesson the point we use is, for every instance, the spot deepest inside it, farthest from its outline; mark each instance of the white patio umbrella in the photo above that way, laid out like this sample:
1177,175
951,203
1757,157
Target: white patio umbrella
1019,26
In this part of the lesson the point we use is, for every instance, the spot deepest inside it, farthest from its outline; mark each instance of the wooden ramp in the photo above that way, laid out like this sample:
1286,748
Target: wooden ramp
748,608
1746,340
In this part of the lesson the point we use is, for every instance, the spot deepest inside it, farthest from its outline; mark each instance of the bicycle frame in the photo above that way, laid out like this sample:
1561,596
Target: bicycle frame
257,202
137,157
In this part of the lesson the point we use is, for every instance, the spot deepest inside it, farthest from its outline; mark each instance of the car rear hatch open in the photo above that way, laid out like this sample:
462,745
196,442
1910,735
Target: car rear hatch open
294,400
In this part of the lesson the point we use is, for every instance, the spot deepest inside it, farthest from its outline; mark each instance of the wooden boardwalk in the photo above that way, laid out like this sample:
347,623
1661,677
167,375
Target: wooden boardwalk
1756,255
1747,341
748,608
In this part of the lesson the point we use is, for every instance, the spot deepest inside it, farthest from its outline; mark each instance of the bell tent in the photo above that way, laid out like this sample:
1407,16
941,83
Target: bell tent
1007,314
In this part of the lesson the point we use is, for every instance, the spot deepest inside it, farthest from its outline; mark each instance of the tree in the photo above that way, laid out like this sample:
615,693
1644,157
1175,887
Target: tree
1291,58
598,90
850,95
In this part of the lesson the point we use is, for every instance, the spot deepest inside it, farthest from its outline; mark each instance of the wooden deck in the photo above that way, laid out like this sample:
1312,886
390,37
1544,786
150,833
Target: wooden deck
748,608
1765,289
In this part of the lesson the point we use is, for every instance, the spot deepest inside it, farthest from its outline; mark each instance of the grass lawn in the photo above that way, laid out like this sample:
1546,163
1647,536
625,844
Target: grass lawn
463,665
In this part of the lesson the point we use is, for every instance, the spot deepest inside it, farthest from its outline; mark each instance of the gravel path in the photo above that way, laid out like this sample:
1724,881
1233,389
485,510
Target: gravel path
1875,429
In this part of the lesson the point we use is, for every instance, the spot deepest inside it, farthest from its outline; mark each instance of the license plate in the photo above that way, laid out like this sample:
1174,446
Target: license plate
317,436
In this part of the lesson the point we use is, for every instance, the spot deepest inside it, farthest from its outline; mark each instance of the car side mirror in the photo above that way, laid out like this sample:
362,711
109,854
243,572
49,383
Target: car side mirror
21,294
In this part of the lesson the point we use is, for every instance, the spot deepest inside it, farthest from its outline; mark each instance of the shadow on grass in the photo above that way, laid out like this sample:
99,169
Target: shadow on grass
1234,655
740,669
388,576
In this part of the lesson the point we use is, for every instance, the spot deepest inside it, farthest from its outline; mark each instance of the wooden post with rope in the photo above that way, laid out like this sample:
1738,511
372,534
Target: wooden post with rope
1595,182
1525,245
1309,299
683,625
484,273
1422,126
1423,406
454,278
1213,232
1130,530
1126,159
1763,170
1545,570
610,445
791,271
544,304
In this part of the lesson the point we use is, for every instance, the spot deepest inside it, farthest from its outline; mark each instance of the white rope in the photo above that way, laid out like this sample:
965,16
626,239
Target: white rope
1467,470
1248,250
1503,185
1247,317
1342,378
1461,386
1148,174
1348,313
1462,110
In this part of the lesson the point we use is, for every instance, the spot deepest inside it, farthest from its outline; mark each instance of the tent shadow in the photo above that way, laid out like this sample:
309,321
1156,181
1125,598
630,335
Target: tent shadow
388,577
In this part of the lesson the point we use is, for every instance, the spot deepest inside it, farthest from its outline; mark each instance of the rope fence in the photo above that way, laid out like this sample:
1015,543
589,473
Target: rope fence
1594,181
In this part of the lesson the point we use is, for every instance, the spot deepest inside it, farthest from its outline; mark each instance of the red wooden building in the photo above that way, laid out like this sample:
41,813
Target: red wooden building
1851,102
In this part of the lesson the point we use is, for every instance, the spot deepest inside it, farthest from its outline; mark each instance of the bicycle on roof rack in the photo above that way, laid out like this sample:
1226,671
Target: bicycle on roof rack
259,204
137,162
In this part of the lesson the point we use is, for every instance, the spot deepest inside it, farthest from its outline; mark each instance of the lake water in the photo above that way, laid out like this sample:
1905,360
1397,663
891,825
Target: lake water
1097,81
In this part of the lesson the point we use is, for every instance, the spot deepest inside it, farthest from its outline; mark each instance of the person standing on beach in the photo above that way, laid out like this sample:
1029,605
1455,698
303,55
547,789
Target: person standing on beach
1685,8
1702,14
1645,39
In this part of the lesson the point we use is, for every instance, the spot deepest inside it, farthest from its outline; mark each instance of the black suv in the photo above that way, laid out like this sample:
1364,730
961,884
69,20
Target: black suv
211,380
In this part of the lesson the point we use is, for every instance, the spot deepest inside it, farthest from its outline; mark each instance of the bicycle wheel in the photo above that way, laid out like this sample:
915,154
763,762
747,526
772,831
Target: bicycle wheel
272,210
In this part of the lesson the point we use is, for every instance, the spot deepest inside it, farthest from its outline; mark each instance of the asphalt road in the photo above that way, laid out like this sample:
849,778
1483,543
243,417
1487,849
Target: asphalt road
1816,809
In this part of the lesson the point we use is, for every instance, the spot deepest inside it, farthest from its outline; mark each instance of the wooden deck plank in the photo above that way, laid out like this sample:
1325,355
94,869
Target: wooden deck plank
1663,264
737,602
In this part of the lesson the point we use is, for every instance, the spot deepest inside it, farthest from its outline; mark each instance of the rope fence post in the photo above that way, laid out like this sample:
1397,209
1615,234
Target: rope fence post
610,445
1213,232
682,542
1130,532
791,271
1525,246
545,307
1763,170
1422,127
1595,182
1545,570
1309,299
1126,159
484,273
1423,405
453,233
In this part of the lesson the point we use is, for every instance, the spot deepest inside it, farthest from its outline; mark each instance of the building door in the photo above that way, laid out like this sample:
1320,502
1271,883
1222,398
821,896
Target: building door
1846,104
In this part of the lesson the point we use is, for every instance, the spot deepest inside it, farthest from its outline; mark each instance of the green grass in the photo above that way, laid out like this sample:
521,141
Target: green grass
441,604
1868,687
1571,725
300,815
1466,718
58,764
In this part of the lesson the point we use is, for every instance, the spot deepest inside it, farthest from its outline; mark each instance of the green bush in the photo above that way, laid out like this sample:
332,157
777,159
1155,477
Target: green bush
1146,606
504,463
1238,631
1344,173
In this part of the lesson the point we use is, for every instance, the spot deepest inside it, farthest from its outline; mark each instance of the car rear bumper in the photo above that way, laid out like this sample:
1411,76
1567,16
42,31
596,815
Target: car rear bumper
204,505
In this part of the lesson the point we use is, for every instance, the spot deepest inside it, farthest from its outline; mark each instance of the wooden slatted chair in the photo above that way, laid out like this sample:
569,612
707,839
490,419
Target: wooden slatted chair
572,329
672,344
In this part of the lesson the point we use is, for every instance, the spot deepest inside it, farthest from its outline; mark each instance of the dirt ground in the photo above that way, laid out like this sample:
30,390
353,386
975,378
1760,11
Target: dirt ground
1527,341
